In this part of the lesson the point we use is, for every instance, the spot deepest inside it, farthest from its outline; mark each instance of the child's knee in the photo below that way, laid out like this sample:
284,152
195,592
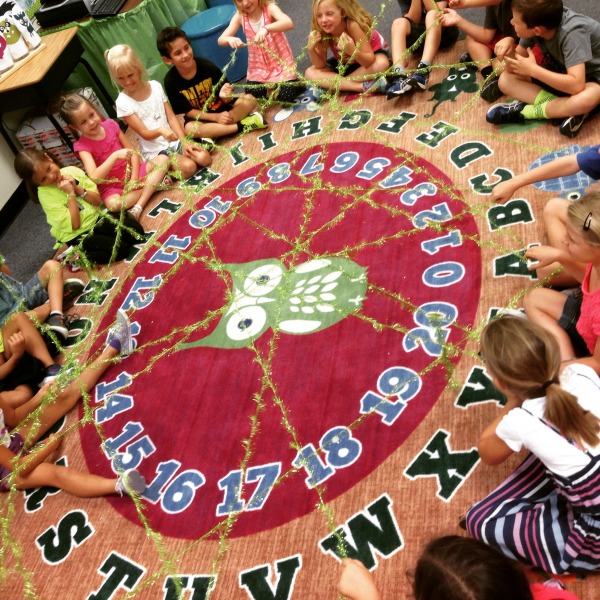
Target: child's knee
555,210
400,27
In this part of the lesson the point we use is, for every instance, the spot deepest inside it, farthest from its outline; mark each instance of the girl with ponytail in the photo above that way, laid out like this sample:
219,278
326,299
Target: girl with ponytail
547,512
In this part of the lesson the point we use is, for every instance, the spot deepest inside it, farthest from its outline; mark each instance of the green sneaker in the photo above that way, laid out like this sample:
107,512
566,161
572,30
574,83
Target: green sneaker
253,121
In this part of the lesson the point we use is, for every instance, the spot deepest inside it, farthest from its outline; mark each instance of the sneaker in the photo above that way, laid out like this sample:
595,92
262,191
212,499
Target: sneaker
465,57
57,324
375,86
571,125
52,372
418,81
207,143
511,312
130,482
252,122
507,112
72,289
398,87
122,332
490,90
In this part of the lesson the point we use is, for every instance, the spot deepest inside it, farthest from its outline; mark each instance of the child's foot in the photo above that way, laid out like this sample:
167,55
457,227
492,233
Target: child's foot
511,312
399,87
56,323
375,86
419,79
252,122
72,289
52,372
120,337
507,112
207,144
135,212
571,126
130,482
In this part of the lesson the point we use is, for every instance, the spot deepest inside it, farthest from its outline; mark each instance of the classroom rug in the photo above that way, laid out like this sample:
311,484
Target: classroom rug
305,384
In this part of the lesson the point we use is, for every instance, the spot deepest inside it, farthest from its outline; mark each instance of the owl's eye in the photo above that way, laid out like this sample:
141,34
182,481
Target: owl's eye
263,280
451,77
246,322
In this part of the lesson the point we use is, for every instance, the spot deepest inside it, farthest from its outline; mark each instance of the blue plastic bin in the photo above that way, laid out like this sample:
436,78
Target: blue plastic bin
205,28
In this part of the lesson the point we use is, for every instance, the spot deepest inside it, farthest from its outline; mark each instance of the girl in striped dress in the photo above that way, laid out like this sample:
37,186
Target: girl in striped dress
547,512
271,63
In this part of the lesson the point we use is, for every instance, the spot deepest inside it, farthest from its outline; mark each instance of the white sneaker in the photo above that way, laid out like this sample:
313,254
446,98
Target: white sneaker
122,332
511,312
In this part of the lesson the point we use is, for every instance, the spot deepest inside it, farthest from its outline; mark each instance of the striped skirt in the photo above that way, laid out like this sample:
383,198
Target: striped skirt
539,517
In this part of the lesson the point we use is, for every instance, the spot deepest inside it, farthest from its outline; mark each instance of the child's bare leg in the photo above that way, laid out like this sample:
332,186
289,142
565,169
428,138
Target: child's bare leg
555,224
34,344
545,307
199,155
478,51
518,87
400,31
433,36
65,400
77,483
207,129
40,314
18,396
182,166
242,107
51,276
577,104
117,203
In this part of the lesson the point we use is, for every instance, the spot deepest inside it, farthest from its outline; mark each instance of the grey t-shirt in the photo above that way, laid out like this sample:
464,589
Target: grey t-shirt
576,41
498,17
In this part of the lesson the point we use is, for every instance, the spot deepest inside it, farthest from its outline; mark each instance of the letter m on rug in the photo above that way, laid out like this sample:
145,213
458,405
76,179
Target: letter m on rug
382,537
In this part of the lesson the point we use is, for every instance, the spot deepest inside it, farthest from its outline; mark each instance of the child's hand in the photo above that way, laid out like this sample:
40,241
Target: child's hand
226,92
543,256
168,134
503,191
123,154
522,65
314,39
16,345
449,18
457,3
235,42
346,45
67,184
504,47
356,582
263,32
224,118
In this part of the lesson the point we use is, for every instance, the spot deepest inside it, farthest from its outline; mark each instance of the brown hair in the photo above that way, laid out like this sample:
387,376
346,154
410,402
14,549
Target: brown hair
25,164
166,37
460,568
70,102
540,13
525,357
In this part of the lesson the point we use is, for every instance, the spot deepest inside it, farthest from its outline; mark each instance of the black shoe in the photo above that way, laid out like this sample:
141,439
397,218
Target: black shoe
507,112
57,324
490,90
465,57
571,126
72,289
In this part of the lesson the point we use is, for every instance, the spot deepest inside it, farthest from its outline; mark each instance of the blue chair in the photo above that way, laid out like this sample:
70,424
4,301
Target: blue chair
205,28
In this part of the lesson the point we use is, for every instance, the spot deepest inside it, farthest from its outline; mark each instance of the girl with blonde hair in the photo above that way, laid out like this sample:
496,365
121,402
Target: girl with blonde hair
359,51
573,319
547,512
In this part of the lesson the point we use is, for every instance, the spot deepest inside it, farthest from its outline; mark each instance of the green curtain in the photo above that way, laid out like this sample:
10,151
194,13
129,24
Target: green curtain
138,28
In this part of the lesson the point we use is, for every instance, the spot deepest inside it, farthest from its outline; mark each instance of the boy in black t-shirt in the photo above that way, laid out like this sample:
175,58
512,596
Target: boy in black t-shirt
198,89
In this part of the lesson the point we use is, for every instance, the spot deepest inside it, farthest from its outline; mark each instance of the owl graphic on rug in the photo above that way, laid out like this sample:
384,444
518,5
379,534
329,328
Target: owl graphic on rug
306,298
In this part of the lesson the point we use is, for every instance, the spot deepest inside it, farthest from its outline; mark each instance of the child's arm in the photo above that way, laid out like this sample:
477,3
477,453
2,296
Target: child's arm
100,172
355,43
317,50
227,38
14,348
572,82
472,3
173,121
591,361
138,126
280,23
477,32
565,165
546,255
492,450
133,157
356,582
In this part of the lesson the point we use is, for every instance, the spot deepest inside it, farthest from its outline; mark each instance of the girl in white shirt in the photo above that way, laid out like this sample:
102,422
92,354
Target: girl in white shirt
548,511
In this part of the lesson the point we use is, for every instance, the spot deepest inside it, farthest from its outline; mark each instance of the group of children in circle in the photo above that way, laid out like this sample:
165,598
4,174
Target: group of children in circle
546,365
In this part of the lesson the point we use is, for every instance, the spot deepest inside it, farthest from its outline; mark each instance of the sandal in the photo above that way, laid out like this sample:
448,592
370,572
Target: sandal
135,212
